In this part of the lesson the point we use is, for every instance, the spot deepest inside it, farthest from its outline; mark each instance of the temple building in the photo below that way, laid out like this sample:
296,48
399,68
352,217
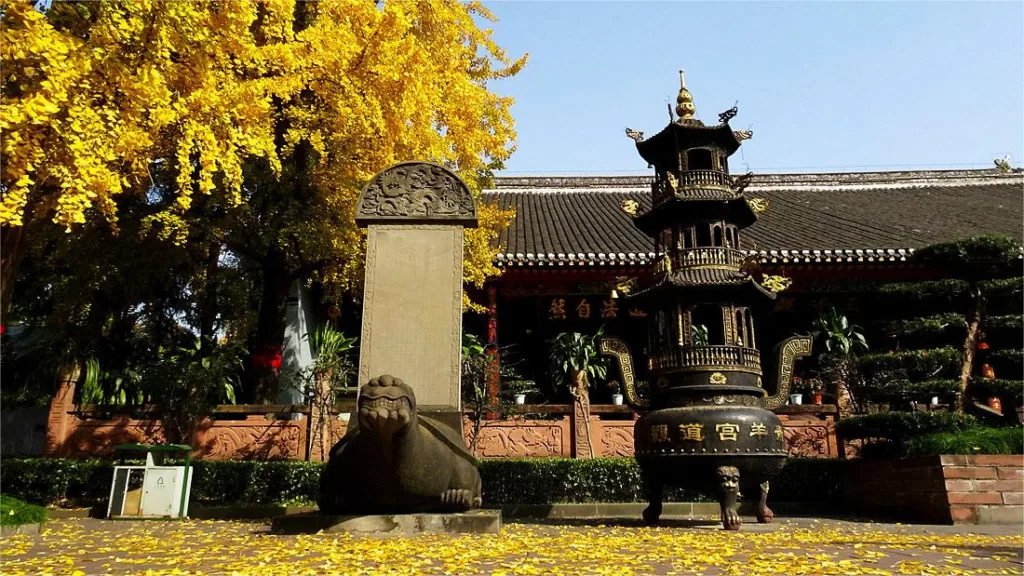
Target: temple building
836,235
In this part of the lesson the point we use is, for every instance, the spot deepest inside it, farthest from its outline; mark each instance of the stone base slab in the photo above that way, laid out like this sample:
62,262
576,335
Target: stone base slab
28,529
474,522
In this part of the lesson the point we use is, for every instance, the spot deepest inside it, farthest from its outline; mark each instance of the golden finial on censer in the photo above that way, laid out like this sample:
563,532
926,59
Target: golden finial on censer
685,108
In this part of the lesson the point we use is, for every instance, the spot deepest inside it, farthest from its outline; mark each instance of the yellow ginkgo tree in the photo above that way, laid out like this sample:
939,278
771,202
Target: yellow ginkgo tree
280,109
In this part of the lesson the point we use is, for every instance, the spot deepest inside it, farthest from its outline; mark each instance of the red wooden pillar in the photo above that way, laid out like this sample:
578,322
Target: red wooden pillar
493,379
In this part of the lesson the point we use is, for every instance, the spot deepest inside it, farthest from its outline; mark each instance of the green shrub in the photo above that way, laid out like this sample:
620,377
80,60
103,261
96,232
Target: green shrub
928,332
1008,364
920,299
14,512
1010,392
901,392
913,365
254,482
1003,332
1004,296
506,482
555,480
56,481
970,252
978,440
899,426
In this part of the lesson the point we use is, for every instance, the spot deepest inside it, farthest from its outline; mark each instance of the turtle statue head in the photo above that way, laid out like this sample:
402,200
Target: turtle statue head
387,406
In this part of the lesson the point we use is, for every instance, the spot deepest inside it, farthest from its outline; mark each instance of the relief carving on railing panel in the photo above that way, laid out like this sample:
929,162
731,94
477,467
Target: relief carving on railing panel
616,439
508,439
810,438
99,437
253,440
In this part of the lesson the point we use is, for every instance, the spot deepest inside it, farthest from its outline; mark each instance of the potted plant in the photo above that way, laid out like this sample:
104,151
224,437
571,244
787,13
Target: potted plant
797,396
815,387
616,389
519,388
575,357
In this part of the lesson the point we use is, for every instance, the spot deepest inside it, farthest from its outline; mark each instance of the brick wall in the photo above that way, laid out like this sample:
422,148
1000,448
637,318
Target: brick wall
985,489
939,489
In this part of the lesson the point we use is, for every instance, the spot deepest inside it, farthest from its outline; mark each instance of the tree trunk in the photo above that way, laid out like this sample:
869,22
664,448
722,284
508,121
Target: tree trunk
12,248
584,446
970,344
208,298
265,368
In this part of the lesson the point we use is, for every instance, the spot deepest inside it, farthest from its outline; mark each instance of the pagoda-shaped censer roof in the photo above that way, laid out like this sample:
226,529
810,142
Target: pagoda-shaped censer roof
687,131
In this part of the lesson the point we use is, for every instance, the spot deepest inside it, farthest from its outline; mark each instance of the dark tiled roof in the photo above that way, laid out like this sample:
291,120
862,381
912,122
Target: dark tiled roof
878,216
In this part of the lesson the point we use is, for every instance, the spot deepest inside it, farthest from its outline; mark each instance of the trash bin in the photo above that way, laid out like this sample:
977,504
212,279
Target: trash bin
152,490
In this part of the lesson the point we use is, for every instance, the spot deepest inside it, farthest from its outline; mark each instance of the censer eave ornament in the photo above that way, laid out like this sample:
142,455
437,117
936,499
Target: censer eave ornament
707,421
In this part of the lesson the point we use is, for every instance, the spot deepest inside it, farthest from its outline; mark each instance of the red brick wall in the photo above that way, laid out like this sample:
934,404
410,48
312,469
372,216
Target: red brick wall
939,489
985,489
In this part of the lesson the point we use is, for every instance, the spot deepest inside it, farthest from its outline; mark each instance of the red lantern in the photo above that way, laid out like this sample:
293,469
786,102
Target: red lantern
988,372
983,346
268,357
996,404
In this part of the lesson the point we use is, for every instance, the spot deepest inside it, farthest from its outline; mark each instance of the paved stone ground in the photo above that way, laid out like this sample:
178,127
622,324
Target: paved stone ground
789,546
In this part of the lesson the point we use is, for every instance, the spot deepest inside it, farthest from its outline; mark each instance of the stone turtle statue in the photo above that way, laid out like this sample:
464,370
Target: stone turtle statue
393,460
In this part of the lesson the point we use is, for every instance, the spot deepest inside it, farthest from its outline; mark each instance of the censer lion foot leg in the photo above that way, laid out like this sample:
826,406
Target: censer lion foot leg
728,496
763,512
655,492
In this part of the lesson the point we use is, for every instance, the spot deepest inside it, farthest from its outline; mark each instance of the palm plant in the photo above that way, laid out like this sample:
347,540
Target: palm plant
842,341
331,371
839,336
575,360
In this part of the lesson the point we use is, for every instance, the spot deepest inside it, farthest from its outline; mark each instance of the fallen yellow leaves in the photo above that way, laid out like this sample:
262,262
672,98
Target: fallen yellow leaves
78,547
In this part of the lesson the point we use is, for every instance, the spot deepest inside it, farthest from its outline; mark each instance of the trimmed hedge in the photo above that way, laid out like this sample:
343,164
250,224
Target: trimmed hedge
928,332
968,253
1004,331
1010,392
68,482
915,365
552,480
1003,297
899,426
979,440
918,299
901,392
1008,364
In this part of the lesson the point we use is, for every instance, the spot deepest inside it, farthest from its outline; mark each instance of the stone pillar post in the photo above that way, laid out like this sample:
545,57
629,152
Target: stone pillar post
60,424
415,213
494,357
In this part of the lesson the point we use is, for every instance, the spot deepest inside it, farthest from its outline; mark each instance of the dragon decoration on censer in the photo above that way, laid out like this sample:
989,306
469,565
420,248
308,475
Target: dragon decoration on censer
707,421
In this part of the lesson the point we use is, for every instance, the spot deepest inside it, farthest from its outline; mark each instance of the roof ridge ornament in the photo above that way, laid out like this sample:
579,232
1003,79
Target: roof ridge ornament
729,114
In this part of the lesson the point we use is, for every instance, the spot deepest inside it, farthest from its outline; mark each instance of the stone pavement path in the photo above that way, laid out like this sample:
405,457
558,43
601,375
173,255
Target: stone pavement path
789,546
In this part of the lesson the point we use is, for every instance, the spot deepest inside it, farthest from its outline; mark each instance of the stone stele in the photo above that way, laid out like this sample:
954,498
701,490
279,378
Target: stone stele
412,299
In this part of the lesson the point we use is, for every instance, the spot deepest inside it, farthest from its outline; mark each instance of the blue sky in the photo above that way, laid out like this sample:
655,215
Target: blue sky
825,86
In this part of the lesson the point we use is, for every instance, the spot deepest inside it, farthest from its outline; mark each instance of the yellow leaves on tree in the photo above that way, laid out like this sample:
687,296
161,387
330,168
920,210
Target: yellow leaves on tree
95,94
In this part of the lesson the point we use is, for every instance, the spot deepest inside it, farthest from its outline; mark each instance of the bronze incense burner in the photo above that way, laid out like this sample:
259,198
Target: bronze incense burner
707,422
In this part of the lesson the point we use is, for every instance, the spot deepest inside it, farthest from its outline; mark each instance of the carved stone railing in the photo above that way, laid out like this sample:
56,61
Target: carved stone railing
707,258
707,358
